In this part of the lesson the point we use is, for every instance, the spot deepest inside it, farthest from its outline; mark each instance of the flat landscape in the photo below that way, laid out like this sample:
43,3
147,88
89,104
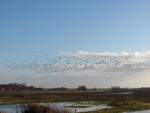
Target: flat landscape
119,99
74,56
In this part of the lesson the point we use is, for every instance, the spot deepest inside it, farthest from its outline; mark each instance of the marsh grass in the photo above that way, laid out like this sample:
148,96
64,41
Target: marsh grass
124,106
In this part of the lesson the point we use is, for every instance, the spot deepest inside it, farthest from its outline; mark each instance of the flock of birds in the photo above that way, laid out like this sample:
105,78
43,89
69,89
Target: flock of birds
83,61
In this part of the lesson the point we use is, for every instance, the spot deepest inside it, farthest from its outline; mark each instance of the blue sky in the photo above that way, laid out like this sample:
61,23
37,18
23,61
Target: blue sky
31,27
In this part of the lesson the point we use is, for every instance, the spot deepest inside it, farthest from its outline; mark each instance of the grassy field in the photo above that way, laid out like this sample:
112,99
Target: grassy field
53,96
124,106
119,102
29,96
48,96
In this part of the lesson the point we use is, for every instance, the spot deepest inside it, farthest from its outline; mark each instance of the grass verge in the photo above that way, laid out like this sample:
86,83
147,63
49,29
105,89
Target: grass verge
124,106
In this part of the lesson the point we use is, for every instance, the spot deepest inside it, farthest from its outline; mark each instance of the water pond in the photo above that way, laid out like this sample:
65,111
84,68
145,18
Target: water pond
71,106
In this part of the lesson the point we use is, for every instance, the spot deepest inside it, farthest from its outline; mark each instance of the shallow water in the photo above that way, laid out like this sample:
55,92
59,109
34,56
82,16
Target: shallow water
60,105
87,107
15,108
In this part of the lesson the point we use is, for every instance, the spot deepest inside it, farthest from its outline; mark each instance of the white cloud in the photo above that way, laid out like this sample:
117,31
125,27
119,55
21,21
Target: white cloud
96,61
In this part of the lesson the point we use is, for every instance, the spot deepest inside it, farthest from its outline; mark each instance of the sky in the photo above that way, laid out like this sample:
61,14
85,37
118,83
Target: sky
39,30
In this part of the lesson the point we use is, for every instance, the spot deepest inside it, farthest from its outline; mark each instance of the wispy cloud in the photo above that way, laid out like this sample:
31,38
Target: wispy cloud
85,61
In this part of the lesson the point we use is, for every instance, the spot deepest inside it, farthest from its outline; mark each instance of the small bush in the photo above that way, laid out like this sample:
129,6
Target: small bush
82,88
35,108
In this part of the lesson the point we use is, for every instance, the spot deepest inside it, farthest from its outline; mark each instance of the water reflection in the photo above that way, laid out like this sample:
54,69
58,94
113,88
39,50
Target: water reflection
71,106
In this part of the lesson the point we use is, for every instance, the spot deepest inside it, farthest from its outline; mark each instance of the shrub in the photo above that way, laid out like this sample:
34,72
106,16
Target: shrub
35,108
82,87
